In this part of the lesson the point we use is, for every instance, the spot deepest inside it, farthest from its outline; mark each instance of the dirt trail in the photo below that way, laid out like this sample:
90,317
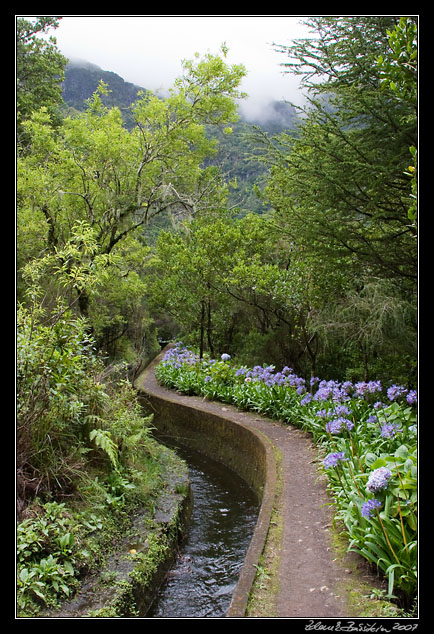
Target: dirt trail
313,580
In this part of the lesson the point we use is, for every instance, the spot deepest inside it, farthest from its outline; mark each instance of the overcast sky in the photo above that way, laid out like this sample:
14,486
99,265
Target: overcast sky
147,49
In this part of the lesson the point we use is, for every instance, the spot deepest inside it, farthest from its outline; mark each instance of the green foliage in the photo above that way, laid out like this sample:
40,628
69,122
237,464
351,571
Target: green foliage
220,277
70,427
48,556
63,409
56,387
82,80
374,323
339,185
388,538
102,439
343,190
87,192
238,284
39,71
398,66
324,282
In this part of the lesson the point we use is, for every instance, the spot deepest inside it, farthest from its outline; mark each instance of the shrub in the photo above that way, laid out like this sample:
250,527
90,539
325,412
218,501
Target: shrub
78,439
56,396
67,418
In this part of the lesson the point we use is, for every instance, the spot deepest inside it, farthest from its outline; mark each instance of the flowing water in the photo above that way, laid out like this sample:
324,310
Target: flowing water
203,578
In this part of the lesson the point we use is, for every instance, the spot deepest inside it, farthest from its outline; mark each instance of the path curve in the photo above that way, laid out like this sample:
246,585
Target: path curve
312,580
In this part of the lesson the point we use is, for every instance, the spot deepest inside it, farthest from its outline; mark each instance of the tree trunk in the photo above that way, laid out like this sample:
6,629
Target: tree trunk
83,303
202,327
208,331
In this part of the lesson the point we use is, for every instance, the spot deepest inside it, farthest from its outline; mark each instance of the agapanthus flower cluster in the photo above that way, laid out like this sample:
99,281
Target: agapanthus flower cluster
367,387
342,410
341,392
390,429
332,390
241,371
333,459
412,397
178,355
306,399
322,413
268,376
338,424
369,507
378,479
335,391
395,391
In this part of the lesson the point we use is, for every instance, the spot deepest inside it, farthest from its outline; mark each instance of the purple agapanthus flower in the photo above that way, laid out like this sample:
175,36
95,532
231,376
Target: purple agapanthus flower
378,479
322,413
178,355
395,391
342,410
323,394
367,387
360,388
335,426
389,430
333,459
347,386
348,424
306,399
412,397
369,507
374,386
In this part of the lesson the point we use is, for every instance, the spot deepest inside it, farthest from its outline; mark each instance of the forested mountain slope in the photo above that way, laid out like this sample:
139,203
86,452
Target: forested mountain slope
235,150
82,79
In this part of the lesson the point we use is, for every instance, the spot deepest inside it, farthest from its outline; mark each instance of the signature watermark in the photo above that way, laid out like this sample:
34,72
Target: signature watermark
353,626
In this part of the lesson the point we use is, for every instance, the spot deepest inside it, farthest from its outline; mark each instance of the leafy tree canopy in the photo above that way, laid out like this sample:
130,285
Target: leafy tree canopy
40,67
341,186
92,177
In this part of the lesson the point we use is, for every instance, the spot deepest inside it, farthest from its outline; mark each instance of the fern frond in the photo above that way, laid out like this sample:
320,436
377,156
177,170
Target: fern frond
102,439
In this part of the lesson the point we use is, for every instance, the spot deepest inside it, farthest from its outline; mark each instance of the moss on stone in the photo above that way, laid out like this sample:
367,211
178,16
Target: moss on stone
139,552
262,597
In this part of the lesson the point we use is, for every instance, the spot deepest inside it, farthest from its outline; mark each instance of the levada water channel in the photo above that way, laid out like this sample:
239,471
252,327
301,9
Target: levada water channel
204,575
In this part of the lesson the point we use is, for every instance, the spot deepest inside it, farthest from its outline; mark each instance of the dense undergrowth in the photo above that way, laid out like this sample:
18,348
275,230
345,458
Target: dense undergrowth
86,460
366,432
